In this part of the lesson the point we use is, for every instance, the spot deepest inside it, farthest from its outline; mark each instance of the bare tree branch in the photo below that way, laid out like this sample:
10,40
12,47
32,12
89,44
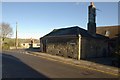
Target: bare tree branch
7,31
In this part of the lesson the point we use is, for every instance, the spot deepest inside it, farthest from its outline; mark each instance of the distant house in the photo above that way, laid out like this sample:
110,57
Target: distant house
76,42
25,45
113,32
109,31
29,43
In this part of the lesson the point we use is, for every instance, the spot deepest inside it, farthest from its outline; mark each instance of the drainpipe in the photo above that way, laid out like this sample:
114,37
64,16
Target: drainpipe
79,46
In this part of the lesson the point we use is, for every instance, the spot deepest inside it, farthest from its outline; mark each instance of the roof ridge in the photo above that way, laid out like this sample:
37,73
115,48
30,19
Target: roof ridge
67,27
109,26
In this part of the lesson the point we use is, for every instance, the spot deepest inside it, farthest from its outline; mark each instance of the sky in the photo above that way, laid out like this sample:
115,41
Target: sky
36,19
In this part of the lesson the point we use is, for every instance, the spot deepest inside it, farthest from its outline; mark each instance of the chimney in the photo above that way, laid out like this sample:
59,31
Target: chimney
92,19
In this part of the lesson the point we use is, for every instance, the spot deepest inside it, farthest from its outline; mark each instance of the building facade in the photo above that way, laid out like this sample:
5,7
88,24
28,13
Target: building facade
76,42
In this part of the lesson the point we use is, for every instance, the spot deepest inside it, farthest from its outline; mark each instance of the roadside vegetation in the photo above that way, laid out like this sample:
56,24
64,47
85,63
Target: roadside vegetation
7,43
6,33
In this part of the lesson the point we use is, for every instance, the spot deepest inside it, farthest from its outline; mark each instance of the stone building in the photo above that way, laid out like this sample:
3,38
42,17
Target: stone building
76,42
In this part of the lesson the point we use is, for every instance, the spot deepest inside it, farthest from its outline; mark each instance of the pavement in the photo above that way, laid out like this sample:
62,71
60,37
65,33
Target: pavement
81,63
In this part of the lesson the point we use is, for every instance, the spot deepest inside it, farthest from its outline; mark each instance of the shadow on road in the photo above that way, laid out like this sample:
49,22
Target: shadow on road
13,67
33,49
109,61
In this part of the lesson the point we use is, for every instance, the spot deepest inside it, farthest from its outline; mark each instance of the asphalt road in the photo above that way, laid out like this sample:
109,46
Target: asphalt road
18,65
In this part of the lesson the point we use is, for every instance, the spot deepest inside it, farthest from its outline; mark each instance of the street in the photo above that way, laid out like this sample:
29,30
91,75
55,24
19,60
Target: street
18,65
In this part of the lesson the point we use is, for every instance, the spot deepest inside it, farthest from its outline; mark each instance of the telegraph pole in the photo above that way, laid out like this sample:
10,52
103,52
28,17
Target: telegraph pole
16,41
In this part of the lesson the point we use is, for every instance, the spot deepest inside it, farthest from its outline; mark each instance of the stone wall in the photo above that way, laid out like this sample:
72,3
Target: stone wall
92,48
69,47
62,46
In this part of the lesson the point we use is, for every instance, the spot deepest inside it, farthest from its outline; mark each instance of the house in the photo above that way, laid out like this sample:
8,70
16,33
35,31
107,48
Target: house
76,42
29,43
109,31
25,45
113,32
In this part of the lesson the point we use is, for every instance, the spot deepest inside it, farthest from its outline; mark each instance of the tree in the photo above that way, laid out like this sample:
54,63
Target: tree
6,30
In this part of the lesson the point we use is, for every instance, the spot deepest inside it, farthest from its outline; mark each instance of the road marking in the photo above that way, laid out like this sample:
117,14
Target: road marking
75,65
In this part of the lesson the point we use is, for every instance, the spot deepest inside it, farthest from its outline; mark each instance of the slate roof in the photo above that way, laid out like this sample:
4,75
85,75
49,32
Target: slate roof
73,31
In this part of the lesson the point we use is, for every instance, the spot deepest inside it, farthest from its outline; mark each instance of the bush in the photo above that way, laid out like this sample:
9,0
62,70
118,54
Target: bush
5,46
